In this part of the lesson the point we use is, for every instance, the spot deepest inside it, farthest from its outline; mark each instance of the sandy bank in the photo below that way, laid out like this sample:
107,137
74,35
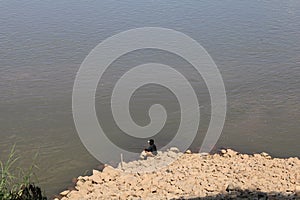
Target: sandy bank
228,175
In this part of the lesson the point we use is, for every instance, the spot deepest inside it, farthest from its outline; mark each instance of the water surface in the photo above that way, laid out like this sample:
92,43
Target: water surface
255,44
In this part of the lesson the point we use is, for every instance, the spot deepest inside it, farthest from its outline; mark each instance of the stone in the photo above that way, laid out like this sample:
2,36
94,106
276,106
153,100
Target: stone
203,154
188,151
257,155
223,175
231,152
268,157
96,172
170,154
65,193
244,156
75,195
209,188
230,187
97,179
83,178
174,149
264,154
223,151
297,190
109,171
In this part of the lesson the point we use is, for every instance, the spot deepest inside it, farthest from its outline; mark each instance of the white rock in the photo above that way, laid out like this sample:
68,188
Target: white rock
204,154
65,193
231,152
223,151
174,149
96,172
264,154
171,154
143,155
188,151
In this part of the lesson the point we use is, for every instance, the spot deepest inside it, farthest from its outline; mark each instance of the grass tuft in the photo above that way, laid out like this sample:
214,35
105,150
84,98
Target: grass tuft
18,187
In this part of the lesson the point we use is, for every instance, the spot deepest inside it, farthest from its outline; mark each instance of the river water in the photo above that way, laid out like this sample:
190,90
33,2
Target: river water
255,44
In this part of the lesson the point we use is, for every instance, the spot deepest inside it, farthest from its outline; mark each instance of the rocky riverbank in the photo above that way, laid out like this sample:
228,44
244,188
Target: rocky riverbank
227,175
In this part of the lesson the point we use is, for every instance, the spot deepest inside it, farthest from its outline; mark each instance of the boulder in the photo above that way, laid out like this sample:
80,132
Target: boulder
257,155
174,149
230,187
223,151
188,151
297,190
231,153
65,193
109,171
203,154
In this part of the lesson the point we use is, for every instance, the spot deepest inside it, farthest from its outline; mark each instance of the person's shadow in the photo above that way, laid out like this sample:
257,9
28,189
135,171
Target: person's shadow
238,194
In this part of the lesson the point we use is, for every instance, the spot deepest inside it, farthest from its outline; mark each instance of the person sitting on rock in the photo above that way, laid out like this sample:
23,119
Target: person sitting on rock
151,150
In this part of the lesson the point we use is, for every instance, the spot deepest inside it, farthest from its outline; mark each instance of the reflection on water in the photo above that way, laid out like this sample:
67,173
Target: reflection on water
255,45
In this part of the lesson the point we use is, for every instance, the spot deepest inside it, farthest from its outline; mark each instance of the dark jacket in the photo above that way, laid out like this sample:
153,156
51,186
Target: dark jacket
152,147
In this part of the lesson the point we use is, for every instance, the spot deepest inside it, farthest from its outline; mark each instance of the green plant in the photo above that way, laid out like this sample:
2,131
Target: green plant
19,187
25,176
7,178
